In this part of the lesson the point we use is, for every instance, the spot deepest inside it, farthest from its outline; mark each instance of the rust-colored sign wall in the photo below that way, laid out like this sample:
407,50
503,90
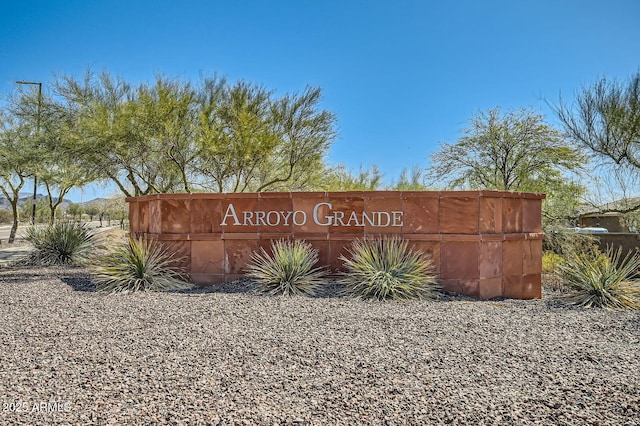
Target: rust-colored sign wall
483,243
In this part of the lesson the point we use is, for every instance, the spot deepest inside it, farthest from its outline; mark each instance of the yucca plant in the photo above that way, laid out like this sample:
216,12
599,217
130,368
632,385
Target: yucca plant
288,270
386,268
140,265
63,243
604,281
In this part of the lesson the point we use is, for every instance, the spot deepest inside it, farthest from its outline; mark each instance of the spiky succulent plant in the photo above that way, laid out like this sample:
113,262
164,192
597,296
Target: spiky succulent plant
386,268
63,243
140,265
288,270
606,281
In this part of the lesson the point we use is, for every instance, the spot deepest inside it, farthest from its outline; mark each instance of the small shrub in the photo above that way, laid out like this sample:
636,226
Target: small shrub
551,279
63,243
565,241
6,216
603,281
139,265
550,262
288,270
385,268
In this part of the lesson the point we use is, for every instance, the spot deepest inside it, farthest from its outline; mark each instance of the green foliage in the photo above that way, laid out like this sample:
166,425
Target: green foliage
42,210
603,281
172,136
18,156
561,204
551,262
140,265
411,180
117,209
62,243
74,210
516,151
385,268
288,270
340,178
605,119
92,210
565,241
5,216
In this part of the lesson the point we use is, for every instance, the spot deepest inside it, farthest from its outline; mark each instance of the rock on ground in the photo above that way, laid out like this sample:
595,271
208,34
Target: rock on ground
228,355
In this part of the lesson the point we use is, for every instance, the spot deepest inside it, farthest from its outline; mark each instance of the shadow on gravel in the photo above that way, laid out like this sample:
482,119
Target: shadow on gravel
332,291
79,283
231,287
249,287
17,275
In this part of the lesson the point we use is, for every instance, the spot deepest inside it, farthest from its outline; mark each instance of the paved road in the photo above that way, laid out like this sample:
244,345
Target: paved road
11,253
5,230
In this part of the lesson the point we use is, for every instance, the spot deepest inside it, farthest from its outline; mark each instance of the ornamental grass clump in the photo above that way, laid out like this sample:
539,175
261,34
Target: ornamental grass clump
140,265
605,281
62,243
385,268
288,270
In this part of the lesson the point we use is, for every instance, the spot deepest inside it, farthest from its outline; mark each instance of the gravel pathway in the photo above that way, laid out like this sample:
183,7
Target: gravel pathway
231,356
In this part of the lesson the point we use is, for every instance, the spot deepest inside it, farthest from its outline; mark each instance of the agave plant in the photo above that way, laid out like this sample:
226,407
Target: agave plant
605,282
62,243
288,270
140,265
385,268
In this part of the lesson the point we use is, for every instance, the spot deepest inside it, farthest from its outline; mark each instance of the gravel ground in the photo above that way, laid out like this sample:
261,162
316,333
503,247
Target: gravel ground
231,356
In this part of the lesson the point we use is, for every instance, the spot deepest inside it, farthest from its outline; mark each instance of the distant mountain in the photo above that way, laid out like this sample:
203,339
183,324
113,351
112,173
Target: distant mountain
27,198
95,201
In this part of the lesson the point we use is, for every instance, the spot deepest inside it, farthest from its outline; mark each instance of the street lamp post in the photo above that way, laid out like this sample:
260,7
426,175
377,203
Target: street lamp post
35,177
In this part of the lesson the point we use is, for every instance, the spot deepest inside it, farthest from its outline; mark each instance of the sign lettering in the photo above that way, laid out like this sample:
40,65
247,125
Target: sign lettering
299,217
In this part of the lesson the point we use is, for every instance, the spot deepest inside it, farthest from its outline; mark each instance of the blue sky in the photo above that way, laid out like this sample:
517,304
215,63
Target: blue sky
402,76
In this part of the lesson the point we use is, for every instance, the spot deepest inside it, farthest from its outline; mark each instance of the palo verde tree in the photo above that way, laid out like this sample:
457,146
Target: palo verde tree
305,134
162,123
234,135
131,137
176,137
249,140
341,178
56,169
411,180
59,173
515,151
17,162
606,120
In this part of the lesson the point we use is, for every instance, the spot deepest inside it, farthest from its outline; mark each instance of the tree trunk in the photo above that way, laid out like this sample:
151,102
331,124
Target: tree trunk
14,226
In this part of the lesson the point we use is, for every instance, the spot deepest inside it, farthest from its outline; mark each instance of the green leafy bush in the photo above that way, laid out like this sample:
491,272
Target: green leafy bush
603,281
62,243
6,216
385,268
551,262
288,270
140,265
565,241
